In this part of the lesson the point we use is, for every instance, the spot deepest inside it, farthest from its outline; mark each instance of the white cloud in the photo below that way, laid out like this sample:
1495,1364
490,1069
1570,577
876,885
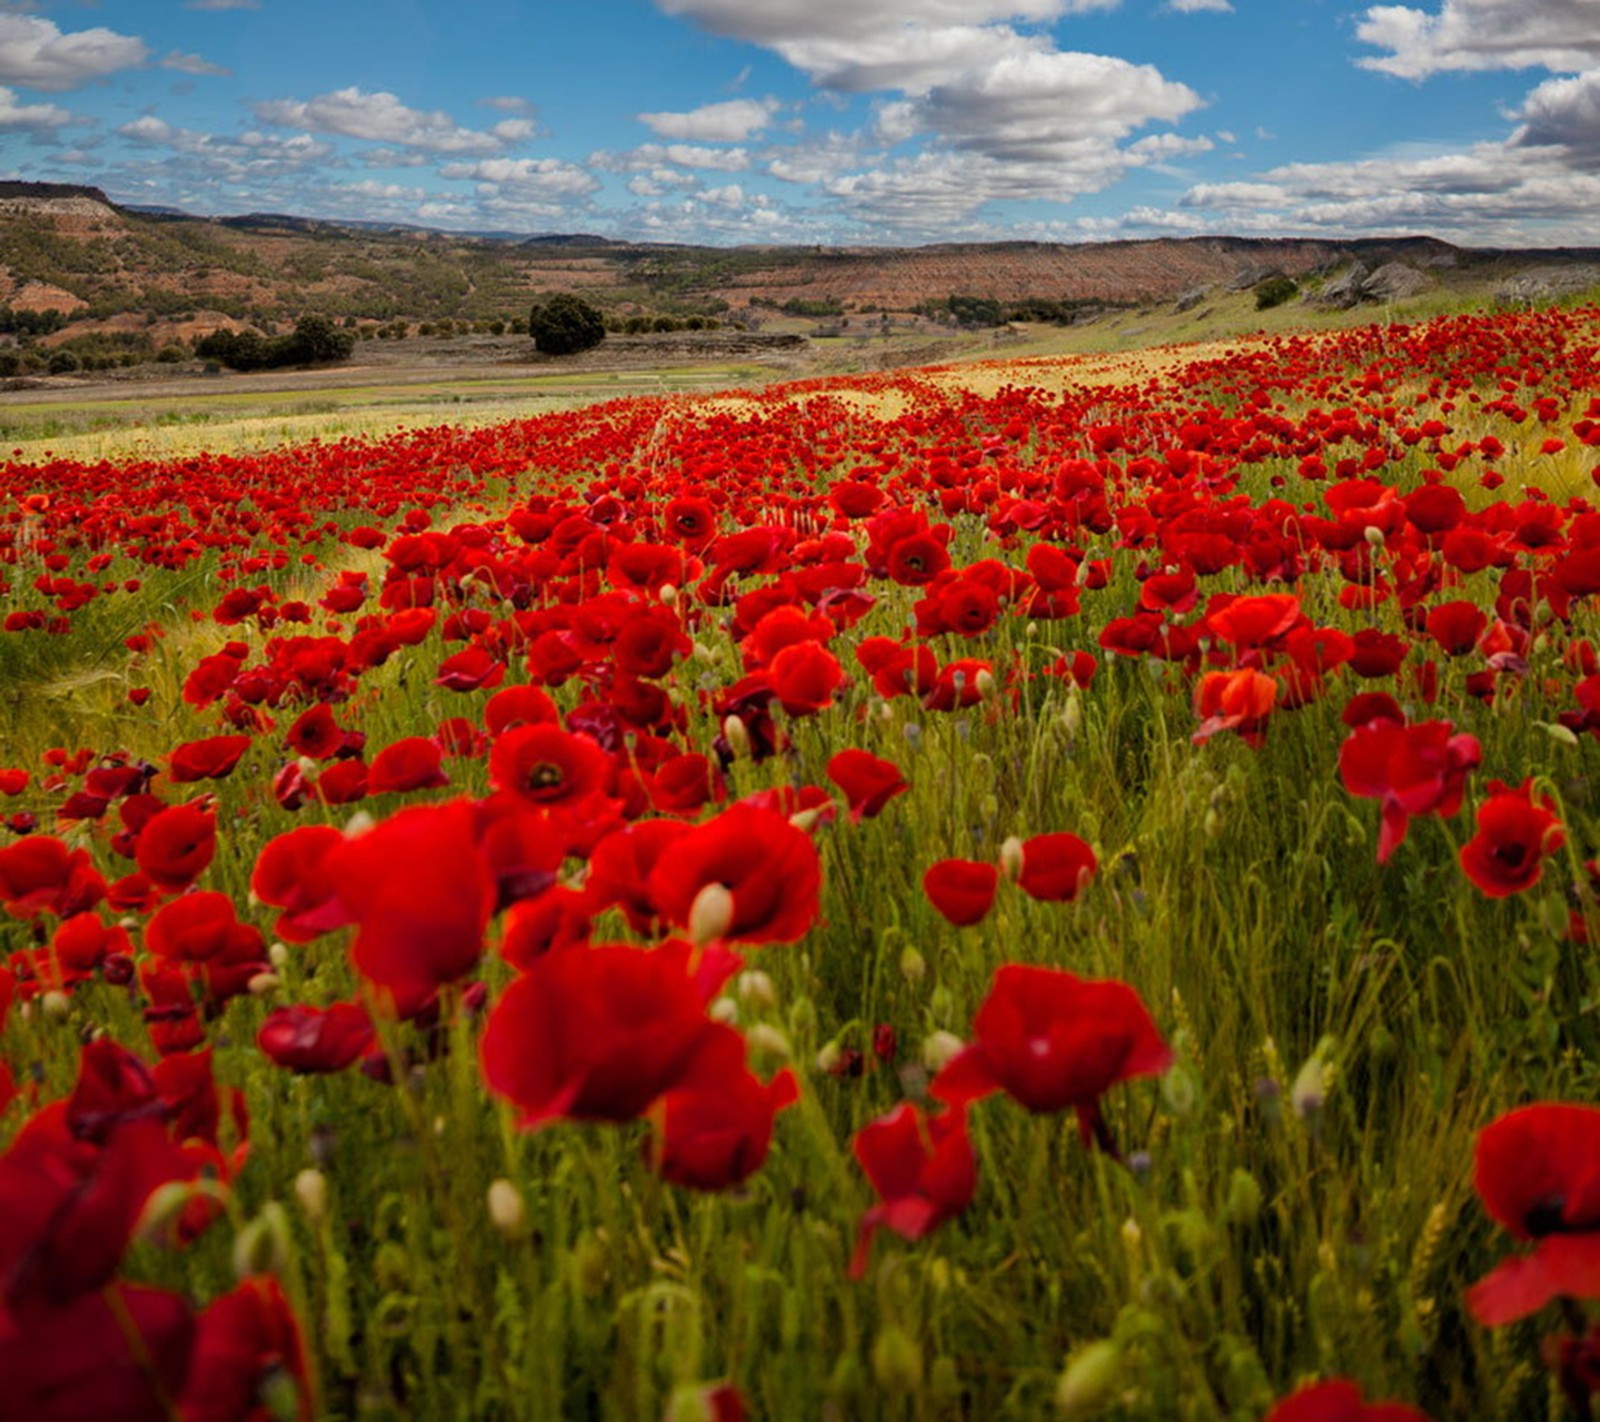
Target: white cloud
35,54
193,64
247,157
1560,35
1565,113
222,4
1195,7
683,155
1503,194
1039,105
35,116
732,121
544,177
517,130
379,117
510,104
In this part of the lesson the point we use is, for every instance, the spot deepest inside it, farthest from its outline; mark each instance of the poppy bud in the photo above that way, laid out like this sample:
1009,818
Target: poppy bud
766,1038
984,682
1179,1091
278,956
669,595
158,1221
311,1190
725,1010
828,1058
358,824
942,1004
1088,1378
913,966
1374,536
938,1048
897,1361
806,819
1011,858
1244,1199
55,1005
755,988
593,1262
1562,735
1311,1085
944,1383
262,1246
1212,823
737,735
263,984
711,913
507,1213
1072,715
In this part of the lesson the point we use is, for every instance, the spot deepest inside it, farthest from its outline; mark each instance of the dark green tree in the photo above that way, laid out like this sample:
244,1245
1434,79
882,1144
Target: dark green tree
564,324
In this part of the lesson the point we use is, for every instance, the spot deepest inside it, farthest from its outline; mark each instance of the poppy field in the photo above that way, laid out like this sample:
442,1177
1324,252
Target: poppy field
942,894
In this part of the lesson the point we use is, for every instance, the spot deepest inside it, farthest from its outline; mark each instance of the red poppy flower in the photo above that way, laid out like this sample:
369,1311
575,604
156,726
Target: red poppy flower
415,763
200,926
1052,1040
596,1033
40,874
621,866
176,845
1055,867
868,782
315,734
291,873
805,677
1537,1171
471,669
1456,626
518,706
558,918
243,1340
1239,701
210,759
1339,1401
961,889
308,1039
549,767
1515,833
420,893
1245,622
1413,770
716,1125
117,1356
770,868
923,1168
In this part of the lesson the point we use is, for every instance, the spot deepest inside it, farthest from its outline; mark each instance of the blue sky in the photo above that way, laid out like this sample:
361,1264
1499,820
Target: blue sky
826,121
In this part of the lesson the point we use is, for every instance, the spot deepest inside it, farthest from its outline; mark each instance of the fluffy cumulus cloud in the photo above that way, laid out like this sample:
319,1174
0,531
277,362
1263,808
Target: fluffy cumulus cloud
976,104
36,54
193,64
238,160
380,118
546,177
682,155
1565,114
36,117
1560,35
1517,195
731,122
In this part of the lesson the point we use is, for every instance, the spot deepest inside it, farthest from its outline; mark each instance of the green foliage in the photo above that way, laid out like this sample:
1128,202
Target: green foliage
975,310
1274,291
564,324
316,340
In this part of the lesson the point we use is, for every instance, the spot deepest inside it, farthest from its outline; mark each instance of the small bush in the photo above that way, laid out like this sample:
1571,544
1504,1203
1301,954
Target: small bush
1274,291
564,324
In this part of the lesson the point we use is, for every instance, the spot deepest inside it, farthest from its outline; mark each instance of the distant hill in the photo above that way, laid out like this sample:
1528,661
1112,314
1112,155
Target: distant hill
172,275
